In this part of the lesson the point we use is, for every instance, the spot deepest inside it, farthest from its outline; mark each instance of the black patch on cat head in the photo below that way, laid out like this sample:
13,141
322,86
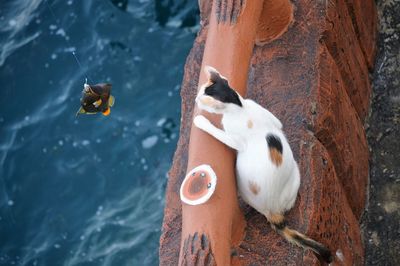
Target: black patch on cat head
274,142
221,91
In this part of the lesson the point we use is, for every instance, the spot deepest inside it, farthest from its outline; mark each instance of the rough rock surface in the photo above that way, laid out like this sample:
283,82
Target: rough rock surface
316,82
381,222
197,251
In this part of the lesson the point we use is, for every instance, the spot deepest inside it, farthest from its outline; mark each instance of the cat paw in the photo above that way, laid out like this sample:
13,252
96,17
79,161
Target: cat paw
201,122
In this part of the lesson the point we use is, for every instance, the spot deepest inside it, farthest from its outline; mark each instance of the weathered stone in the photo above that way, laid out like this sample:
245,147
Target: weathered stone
363,13
275,19
196,250
343,44
317,92
338,127
315,79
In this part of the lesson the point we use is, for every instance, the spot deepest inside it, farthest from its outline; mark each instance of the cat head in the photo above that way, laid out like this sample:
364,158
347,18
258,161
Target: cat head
216,96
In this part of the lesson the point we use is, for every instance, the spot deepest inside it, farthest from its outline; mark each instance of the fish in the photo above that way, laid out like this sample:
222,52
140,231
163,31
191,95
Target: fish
96,99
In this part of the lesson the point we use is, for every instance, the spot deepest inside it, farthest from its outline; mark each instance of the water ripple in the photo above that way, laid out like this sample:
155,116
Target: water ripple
87,191
15,17
99,242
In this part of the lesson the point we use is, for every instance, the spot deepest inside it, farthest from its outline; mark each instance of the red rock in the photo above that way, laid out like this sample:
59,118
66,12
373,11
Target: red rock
364,16
338,127
314,77
341,40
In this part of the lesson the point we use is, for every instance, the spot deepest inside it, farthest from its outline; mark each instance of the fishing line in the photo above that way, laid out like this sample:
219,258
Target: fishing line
79,64
68,42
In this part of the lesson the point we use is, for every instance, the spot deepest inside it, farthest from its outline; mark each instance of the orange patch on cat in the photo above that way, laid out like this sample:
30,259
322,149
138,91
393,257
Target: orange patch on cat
207,100
254,187
208,84
250,124
276,156
211,102
276,218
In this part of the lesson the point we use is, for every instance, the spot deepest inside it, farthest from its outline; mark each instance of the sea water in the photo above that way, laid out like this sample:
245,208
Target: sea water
88,190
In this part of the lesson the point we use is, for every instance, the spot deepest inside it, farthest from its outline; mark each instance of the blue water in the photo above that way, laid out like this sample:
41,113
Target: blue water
88,190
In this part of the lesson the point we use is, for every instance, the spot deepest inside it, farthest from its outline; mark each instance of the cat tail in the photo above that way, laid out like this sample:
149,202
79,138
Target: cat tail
301,240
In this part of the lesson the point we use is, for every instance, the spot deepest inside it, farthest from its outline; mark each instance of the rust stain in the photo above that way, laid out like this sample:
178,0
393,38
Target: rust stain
228,11
276,156
250,124
197,185
197,251
254,187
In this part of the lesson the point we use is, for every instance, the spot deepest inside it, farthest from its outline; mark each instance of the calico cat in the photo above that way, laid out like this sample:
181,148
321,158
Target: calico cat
268,177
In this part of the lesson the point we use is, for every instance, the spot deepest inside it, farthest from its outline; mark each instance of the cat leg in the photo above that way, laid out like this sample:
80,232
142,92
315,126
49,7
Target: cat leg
229,140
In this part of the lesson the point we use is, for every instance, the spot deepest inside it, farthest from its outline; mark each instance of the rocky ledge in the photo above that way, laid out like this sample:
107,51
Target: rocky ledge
314,76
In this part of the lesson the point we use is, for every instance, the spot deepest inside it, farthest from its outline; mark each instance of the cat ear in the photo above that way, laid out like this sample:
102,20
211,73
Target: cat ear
212,74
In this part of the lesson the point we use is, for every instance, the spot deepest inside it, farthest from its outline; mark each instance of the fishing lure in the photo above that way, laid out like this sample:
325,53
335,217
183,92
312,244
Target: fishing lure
96,98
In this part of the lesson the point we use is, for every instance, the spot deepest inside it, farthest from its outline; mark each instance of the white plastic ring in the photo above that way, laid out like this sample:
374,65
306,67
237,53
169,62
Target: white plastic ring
198,185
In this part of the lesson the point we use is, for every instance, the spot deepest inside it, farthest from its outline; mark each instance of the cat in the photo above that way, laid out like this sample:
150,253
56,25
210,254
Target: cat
268,176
